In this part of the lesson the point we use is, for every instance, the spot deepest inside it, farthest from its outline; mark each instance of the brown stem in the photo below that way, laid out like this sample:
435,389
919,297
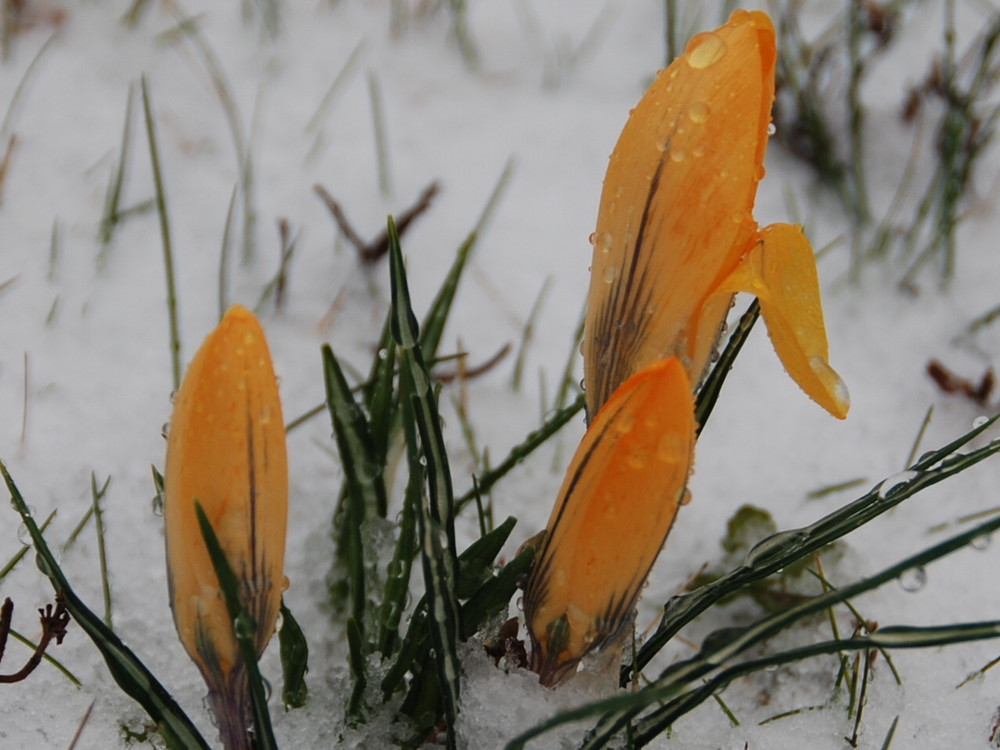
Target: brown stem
54,622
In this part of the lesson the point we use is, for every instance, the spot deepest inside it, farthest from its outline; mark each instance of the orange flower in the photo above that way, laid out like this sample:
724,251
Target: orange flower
675,240
616,506
676,237
226,449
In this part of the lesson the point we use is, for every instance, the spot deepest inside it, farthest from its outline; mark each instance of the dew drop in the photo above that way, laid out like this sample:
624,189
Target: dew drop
979,421
678,155
670,449
625,422
383,354
610,274
698,151
698,112
771,128
895,482
981,543
705,49
285,583
23,536
913,579
685,496
165,430
157,504
637,457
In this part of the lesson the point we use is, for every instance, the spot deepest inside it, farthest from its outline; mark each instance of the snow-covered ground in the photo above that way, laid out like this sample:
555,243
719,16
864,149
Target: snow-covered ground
85,375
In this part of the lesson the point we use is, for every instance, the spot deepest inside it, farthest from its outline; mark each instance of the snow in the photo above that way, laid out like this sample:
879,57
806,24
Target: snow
85,336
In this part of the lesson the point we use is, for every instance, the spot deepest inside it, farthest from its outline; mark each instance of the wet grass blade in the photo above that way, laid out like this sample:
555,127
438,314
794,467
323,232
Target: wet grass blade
785,547
168,253
294,660
126,669
366,496
397,583
521,451
356,657
440,309
244,628
684,685
436,519
709,392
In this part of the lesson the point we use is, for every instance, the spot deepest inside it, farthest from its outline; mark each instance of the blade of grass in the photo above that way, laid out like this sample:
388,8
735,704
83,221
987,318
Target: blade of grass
243,628
294,651
113,197
710,390
785,547
126,669
366,495
96,495
168,253
521,451
436,518
527,333
687,675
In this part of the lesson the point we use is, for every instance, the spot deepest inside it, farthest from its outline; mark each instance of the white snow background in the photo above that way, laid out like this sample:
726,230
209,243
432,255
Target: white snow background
84,341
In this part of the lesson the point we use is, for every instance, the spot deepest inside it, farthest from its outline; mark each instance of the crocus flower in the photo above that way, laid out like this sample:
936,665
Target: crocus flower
616,506
226,449
675,240
676,237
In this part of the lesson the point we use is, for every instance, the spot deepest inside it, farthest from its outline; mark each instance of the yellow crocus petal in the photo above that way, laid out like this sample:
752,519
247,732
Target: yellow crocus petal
226,449
676,210
615,508
780,271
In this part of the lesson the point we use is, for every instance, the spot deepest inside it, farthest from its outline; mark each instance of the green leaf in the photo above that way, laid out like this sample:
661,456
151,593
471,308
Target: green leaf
436,519
126,669
294,660
244,629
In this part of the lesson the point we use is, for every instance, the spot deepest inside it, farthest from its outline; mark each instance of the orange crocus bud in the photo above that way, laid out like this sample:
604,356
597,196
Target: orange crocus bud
616,506
675,231
226,449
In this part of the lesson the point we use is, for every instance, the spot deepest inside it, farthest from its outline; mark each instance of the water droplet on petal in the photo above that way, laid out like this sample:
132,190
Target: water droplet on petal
705,49
698,112
678,154
610,274
637,457
625,423
670,449
771,128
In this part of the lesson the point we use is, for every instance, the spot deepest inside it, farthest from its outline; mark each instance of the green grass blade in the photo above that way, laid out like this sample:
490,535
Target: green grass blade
294,651
436,519
126,669
397,583
244,629
710,390
168,253
96,495
688,675
784,548
356,657
521,451
437,316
